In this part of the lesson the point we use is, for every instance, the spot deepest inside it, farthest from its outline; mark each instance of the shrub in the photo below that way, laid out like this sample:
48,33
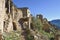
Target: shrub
15,35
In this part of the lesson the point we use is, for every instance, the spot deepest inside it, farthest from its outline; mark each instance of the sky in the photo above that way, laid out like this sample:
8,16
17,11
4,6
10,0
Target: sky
50,9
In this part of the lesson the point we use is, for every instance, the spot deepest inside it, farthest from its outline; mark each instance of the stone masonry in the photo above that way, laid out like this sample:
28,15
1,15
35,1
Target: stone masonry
15,18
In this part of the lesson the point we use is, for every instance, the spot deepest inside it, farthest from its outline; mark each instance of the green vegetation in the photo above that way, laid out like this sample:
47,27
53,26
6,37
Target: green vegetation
29,36
38,26
15,35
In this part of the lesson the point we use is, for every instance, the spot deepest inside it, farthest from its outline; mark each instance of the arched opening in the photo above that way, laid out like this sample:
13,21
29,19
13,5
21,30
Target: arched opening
14,26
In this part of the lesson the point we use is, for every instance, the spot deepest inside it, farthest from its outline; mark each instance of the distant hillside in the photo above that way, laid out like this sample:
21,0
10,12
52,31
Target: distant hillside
56,23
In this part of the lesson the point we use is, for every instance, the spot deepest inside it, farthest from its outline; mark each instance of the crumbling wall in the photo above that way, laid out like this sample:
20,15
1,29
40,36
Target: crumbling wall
2,13
13,16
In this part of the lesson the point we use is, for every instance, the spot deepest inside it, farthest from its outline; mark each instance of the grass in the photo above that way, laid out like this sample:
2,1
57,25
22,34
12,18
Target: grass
15,35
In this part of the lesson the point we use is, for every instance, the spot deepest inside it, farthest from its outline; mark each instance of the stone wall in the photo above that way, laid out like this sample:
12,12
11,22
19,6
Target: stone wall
13,15
2,13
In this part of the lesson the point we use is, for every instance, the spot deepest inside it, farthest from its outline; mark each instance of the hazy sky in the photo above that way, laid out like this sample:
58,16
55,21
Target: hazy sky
48,8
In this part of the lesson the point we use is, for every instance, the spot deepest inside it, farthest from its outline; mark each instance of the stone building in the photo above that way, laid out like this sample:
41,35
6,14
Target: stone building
40,17
2,13
13,18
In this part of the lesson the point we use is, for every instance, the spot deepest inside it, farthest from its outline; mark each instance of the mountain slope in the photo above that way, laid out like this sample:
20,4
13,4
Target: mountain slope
56,23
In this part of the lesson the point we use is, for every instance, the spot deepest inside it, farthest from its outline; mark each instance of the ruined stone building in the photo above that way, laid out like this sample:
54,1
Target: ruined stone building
2,13
19,17
13,18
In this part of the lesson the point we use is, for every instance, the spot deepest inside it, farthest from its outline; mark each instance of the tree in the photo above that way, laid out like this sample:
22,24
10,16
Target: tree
37,23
